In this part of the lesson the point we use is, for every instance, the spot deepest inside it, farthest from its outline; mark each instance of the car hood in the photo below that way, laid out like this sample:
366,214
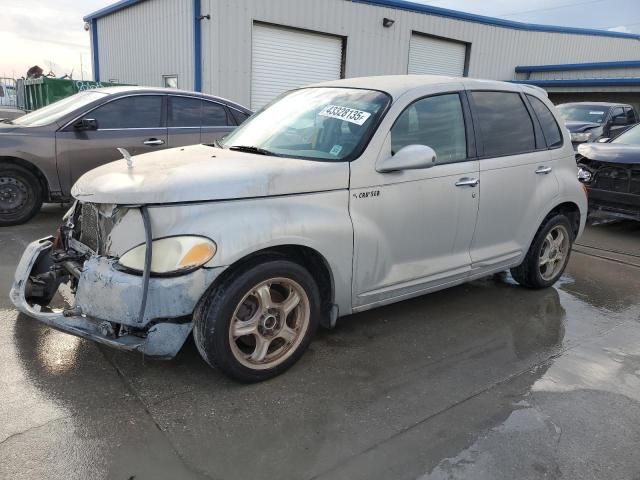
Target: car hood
202,173
23,131
575,127
610,152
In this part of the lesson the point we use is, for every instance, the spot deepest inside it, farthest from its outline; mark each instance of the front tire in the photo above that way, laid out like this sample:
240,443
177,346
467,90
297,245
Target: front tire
548,254
259,321
20,195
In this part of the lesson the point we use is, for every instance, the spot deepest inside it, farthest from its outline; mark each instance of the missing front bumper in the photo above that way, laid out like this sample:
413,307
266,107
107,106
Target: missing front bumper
106,296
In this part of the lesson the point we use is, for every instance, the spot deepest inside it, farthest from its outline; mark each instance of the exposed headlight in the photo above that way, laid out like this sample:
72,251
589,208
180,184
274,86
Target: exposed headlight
581,137
584,175
171,255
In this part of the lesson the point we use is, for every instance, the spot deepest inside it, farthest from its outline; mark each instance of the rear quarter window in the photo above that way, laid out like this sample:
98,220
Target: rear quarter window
239,116
550,128
504,123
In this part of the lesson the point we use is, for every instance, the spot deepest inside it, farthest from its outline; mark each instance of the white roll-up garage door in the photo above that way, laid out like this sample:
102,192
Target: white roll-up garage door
283,59
435,56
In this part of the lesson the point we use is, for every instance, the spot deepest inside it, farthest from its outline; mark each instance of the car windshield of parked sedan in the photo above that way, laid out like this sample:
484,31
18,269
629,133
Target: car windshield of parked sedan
629,137
582,113
51,113
332,124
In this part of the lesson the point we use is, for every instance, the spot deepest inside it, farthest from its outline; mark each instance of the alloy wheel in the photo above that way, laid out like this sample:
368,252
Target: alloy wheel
554,252
269,323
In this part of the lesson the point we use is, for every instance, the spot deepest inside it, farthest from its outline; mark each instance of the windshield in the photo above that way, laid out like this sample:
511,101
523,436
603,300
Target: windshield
629,137
313,123
583,113
51,113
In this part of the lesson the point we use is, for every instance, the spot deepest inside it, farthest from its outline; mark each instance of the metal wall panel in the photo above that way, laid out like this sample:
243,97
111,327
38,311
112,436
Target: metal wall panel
145,41
371,49
283,59
434,56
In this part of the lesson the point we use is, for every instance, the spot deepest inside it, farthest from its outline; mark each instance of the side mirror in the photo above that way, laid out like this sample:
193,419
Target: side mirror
603,140
411,157
85,124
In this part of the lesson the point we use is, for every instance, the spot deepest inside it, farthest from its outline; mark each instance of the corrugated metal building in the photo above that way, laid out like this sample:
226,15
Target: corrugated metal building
252,50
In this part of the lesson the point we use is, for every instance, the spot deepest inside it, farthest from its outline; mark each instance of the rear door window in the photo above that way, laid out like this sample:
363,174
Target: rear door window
617,112
550,128
631,116
139,111
504,123
184,111
213,115
437,122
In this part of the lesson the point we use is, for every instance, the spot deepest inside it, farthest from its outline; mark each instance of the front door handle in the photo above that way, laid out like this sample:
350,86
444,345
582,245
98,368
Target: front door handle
154,142
467,182
543,170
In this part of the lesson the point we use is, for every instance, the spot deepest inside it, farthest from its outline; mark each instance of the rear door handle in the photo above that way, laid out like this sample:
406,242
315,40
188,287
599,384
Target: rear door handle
153,142
467,182
543,170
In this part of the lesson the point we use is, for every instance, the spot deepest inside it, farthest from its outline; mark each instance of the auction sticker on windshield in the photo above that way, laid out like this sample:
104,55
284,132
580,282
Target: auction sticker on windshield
344,113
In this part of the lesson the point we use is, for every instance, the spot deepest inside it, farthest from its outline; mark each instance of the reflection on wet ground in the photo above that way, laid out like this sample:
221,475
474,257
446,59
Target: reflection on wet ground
484,381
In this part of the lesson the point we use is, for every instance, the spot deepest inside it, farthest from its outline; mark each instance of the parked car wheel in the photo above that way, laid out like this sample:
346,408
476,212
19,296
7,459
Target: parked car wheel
259,321
20,195
548,255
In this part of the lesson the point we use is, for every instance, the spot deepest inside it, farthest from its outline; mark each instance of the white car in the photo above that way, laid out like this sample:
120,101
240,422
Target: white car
8,96
334,199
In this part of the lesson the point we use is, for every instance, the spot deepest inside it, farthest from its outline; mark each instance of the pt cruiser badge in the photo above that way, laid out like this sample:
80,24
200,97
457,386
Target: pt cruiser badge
372,193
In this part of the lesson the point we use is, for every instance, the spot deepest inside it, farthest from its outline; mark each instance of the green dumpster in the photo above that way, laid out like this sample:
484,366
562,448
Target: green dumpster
42,91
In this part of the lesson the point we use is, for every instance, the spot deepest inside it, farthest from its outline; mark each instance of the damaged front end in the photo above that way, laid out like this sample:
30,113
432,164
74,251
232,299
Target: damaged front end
611,174
127,310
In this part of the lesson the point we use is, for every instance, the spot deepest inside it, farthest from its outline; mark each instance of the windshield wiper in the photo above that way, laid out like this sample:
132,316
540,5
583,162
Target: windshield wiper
6,120
252,149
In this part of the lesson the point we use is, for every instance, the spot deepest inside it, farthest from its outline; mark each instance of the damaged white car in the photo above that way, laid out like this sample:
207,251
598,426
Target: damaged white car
334,199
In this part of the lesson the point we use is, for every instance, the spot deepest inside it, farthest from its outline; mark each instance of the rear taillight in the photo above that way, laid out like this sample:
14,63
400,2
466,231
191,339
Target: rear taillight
586,191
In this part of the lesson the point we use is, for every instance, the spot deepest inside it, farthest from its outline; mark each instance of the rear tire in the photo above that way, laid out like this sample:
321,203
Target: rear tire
548,254
20,195
259,321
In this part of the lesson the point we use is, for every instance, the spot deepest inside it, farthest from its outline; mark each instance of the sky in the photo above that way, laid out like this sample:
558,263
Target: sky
50,33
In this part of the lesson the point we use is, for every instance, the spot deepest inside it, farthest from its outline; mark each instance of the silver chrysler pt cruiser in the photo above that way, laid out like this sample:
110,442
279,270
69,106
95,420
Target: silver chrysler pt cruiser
334,199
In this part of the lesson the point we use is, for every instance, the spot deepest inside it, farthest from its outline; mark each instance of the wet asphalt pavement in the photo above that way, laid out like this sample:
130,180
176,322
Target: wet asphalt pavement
482,381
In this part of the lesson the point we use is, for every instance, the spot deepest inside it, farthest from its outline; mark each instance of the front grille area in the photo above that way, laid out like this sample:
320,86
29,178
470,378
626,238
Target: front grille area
93,224
613,179
89,228
616,177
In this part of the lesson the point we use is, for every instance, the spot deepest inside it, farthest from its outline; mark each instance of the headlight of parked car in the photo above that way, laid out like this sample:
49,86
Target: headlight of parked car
584,175
581,137
171,255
